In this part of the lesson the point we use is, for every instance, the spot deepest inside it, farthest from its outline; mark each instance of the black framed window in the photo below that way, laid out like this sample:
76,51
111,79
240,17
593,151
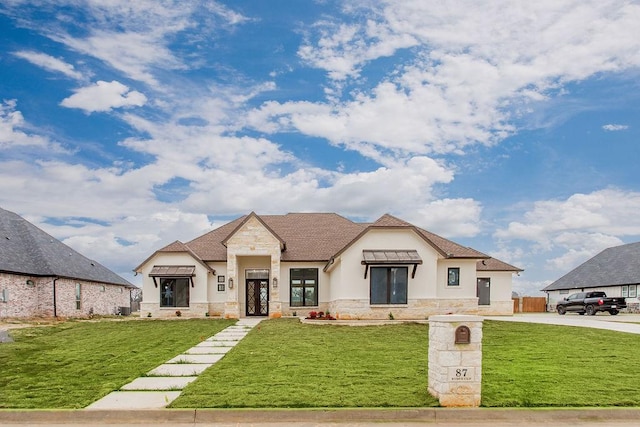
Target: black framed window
304,287
389,285
174,292
453,276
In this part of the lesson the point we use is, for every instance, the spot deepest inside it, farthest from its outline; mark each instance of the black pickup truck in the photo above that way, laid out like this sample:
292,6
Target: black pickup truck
591,303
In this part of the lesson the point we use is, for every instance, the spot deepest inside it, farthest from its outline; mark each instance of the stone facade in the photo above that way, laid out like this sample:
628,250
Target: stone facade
455,369
33,297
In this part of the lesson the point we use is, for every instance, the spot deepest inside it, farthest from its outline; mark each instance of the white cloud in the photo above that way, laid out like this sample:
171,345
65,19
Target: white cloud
50,63
614,127
570,231
478,67
16,132
452,218
104,96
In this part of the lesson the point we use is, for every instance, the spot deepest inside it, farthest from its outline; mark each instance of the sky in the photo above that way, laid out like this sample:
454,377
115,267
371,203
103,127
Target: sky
510,127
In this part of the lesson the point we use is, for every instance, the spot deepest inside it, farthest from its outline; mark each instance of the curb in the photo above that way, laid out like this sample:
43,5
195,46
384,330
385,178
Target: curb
375,415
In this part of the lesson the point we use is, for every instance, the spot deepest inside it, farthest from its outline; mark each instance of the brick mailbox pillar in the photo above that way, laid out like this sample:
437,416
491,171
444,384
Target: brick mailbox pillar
455,359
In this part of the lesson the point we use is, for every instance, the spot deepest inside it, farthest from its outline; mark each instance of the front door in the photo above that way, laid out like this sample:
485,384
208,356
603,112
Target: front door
484,292
257,297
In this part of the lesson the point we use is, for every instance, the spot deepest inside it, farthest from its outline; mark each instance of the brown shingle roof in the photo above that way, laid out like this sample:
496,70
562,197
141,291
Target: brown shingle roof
312,237
493,264
450,249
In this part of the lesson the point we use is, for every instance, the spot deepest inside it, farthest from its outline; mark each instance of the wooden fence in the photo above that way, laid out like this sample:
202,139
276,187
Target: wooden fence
529,305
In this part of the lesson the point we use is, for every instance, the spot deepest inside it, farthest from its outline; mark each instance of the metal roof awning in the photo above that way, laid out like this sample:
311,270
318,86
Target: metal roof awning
173,271
390,257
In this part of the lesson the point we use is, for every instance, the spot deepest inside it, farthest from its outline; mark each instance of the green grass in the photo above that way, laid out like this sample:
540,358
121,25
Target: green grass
72,364
282,363
529,365
287,364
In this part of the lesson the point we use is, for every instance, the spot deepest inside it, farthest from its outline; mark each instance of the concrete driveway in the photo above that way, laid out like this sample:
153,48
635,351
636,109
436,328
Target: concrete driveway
623,322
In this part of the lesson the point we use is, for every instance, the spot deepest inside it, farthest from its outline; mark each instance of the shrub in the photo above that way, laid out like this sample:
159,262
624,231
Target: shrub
178,313
313,314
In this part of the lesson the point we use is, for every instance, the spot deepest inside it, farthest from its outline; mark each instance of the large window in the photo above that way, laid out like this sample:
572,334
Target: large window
174,292
304,287
389,285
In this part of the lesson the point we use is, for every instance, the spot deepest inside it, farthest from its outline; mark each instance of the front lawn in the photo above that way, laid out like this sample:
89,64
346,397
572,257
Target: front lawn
73,364
283,363
287,364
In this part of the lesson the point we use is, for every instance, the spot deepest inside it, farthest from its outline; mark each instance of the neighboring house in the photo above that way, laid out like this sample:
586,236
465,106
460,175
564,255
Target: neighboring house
615,271
278,265
41,276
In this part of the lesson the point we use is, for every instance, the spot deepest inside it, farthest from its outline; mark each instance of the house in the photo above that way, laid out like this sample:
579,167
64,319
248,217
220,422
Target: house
615,271
41,276
281,265
274,265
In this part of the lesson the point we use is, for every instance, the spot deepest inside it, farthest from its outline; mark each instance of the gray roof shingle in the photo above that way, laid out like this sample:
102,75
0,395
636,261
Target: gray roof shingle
619,265
26,249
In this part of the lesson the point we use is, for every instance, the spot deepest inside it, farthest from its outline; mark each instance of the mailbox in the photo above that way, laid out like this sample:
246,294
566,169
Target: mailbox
463,335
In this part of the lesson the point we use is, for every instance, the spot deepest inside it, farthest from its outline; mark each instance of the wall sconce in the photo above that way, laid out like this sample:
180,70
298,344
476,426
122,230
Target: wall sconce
275,282
30,283
230,283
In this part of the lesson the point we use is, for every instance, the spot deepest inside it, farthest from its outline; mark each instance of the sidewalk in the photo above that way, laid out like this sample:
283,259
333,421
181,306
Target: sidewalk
329,417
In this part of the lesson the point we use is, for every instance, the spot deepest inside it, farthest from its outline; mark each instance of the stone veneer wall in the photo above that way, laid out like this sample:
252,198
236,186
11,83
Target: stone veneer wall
415,309
194,310
37,300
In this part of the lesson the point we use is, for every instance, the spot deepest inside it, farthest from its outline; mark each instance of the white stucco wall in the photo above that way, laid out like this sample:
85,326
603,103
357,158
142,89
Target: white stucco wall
467,287
347,277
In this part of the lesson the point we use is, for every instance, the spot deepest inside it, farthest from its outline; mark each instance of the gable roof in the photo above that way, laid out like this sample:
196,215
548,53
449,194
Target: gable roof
445,247
619,265
315,237
306,236
26,249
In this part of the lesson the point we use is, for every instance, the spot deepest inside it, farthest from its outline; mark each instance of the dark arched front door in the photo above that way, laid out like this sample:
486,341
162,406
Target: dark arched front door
257,297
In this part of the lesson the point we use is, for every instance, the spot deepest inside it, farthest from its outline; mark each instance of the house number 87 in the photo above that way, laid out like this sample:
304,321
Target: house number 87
461,373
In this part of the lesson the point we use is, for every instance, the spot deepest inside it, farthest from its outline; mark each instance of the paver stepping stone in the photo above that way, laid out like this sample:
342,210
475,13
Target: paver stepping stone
208,350
196,358
135,400
159,383
179,369
224,344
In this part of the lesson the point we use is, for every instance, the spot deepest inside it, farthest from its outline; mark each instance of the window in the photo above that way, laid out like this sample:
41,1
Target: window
633,291
174,292
389,285
304,287
453,276
220,283
625,291
78,296
564,291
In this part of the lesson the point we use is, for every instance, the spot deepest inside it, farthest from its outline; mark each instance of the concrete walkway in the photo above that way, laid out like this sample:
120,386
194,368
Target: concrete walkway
164,384
623,322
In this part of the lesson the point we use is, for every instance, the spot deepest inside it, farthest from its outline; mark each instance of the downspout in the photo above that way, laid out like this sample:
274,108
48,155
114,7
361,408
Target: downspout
55,307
